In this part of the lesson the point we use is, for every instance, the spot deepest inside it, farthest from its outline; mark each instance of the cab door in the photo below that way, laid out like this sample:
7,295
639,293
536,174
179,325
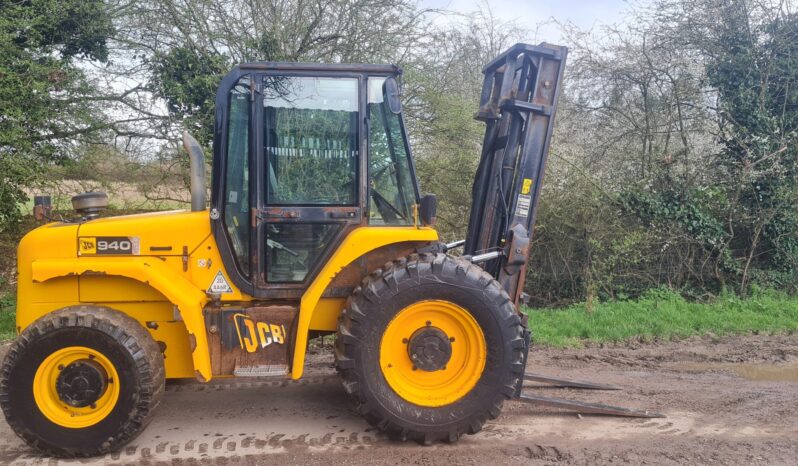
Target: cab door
308,138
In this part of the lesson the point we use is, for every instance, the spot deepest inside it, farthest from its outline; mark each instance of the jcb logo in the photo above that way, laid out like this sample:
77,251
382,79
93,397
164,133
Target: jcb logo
88,245
259,334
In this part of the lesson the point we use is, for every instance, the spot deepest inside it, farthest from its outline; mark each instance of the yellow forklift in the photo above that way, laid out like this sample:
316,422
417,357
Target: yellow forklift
315,226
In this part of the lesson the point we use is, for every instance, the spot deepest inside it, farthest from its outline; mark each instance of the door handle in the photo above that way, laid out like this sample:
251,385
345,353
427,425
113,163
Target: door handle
277,213
343,214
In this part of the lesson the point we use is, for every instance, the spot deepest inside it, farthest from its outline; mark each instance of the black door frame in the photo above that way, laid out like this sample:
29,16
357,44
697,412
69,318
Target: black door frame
350,217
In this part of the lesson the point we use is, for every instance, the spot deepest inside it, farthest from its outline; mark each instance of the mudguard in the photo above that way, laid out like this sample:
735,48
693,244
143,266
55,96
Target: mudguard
357,243
151,271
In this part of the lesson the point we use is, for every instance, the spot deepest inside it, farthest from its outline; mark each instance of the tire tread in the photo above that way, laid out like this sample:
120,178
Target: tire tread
131,335
389,279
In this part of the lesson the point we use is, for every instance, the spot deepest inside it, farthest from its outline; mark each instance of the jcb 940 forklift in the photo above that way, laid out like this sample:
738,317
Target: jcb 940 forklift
315,226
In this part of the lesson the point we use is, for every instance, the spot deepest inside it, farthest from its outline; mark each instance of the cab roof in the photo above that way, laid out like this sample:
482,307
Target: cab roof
322,67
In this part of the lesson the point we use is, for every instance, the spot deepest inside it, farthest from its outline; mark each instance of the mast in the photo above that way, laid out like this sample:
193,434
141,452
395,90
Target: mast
518,104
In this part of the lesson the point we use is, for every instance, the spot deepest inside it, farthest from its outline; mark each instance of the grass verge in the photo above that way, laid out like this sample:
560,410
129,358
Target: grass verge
659,314
666,315
7,316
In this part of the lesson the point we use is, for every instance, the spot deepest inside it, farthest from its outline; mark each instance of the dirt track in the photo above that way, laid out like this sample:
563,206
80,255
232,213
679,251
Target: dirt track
717,412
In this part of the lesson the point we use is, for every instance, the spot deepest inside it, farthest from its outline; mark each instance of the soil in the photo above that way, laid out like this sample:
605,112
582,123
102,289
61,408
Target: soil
723,403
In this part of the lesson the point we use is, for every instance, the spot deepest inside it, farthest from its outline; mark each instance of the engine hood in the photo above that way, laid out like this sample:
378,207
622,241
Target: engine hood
171,233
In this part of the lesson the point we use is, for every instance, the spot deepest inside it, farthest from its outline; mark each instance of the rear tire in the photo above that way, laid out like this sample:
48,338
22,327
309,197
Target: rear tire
102,348
447,289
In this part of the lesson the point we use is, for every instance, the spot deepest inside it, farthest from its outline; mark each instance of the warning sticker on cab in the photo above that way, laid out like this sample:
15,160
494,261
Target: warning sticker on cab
527,186
522,206
219,284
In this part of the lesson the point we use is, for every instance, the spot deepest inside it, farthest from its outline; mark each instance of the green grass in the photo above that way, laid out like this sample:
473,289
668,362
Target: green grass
659,314
7,316
664,315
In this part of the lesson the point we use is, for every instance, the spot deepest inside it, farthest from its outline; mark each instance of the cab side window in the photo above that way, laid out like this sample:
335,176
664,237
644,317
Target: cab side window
236,207
311,150
311,140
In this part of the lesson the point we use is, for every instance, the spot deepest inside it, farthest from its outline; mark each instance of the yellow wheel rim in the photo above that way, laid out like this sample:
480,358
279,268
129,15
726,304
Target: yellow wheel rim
62,413
460,373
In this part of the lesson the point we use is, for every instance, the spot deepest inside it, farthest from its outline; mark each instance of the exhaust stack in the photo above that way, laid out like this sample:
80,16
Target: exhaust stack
197,172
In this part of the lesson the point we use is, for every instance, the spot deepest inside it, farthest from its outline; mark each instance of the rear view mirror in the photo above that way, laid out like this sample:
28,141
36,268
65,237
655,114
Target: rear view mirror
428,210
390,94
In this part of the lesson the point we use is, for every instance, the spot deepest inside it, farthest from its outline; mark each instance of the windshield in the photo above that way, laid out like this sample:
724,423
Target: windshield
392,192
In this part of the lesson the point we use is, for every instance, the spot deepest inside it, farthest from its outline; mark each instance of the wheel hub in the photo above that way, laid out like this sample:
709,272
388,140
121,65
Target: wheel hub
430,349
449,348
81,383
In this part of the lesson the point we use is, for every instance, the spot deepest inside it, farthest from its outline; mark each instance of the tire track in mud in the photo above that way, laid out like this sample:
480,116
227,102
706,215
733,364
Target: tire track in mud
249,421
334,428
191,436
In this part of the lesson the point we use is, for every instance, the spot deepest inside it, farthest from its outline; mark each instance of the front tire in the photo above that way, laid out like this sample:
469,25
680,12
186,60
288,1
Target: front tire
81,381
429,347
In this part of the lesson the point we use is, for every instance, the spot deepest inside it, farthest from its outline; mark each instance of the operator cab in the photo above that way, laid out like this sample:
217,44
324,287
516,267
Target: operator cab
303,154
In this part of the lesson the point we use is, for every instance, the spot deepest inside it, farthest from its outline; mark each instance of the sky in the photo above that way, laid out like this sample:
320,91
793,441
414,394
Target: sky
532,14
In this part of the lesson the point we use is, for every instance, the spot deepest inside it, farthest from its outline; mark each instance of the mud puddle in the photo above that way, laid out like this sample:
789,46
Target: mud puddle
755,372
